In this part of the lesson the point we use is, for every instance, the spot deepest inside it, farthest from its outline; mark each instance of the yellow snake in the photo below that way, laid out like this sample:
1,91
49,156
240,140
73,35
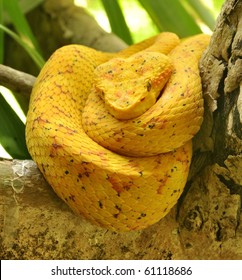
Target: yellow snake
111,133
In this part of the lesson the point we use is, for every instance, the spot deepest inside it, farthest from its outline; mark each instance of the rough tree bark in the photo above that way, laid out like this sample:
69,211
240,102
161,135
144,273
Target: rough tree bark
207,221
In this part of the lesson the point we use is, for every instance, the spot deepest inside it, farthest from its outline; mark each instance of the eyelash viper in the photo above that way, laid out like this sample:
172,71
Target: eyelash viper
111,133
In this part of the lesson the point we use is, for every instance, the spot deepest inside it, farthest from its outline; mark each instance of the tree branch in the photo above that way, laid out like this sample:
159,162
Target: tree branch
16,80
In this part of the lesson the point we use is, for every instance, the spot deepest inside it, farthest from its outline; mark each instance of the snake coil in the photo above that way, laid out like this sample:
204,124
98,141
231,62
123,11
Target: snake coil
111,133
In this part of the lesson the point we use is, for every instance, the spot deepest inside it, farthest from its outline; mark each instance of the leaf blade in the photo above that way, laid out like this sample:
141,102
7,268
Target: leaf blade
170,15
203,12
20,23
31,51
117,20
12,132
1,33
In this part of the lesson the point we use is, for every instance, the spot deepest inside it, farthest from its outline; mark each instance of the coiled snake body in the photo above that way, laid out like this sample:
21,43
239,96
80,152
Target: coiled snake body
112,133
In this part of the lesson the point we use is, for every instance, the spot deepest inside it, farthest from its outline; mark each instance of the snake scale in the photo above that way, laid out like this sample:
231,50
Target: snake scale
111,133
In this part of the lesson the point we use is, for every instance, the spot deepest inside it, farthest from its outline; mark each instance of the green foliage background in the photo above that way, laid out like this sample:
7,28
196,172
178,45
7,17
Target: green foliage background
184,17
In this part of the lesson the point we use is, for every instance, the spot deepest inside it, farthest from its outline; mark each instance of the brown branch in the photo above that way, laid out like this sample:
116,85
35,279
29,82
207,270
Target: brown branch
16,80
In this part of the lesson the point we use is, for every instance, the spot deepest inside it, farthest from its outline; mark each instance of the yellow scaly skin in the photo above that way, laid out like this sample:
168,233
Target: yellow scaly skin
119,192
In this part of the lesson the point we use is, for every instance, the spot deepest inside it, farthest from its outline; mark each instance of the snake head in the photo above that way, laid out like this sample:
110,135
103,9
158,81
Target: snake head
130,86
